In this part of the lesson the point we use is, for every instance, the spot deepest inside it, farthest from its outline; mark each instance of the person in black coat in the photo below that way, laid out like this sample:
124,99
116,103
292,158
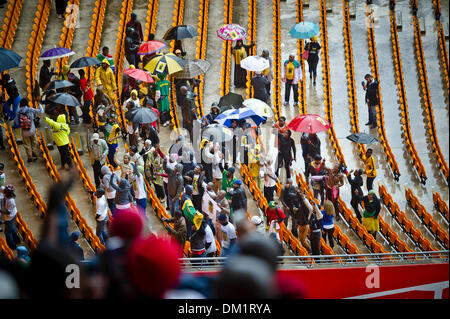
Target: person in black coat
261,87
372,98
356,184
284,152
75,247
238,197
131,48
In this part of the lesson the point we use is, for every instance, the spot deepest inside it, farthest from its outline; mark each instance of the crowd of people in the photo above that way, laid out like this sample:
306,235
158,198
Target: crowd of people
198,184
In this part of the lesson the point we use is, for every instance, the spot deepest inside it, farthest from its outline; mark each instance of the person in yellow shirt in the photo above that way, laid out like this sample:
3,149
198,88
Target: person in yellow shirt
240,52
255,163
291,75
371,170
61,131
104,77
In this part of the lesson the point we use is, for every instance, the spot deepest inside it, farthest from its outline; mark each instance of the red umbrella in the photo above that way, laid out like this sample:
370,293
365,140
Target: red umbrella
309,123
150,47
140,75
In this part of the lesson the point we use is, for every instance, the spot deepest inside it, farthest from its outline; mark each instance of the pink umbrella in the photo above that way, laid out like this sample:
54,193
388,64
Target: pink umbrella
231,32
309,123
140,75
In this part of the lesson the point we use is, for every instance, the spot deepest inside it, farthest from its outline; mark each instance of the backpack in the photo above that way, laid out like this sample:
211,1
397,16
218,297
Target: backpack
25,121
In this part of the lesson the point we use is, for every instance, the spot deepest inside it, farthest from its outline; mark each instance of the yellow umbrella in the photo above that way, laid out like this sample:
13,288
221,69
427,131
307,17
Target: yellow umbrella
165,63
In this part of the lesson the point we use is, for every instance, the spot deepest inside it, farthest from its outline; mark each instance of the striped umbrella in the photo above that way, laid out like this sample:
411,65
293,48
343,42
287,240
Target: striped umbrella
165,63
231,32
192,68
244,113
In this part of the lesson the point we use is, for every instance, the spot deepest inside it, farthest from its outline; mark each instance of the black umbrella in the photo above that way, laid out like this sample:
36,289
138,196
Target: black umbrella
231,99
362,138
180,32
217,133
130,113
144,115
65,99
8,59
59,84
85,62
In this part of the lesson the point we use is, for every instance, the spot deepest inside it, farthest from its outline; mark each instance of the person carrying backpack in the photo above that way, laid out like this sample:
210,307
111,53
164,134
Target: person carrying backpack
25,117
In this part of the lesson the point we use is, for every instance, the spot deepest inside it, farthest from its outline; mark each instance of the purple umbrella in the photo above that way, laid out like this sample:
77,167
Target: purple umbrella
56,53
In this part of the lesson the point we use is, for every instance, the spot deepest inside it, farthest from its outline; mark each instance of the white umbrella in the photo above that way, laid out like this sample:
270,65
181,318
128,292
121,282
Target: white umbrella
259,107
255,63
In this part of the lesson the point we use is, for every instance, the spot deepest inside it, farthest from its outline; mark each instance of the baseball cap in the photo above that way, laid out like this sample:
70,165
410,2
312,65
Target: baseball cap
95,136
256,220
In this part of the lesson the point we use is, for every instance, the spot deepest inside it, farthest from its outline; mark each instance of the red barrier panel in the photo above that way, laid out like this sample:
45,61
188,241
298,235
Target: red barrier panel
427,281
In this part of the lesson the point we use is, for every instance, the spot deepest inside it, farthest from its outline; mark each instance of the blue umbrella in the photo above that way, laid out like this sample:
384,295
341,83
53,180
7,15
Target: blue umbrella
244,113
304,30
56,53
8,59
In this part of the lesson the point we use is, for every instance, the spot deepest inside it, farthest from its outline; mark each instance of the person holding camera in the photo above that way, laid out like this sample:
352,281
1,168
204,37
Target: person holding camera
372,98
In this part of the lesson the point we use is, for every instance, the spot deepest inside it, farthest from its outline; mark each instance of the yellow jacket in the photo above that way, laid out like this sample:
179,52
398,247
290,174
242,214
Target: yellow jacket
369,163
60,130
106,78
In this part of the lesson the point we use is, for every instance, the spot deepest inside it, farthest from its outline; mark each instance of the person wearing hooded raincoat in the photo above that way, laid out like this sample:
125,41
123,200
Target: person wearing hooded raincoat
61,131
64,74
104,76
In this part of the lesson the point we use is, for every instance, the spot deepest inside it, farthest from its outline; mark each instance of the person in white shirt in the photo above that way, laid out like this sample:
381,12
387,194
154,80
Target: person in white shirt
9,214
106,185
140,191
101,214
269,180
216,172
227,235
210,242
136,157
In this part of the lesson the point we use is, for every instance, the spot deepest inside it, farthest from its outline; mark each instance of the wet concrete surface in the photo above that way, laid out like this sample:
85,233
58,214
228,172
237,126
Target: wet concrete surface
314,94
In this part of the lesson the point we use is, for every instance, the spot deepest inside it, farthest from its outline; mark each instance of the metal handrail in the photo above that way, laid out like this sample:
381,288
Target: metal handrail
323,261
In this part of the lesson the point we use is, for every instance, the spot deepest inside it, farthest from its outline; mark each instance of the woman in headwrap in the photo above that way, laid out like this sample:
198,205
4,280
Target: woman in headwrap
240,52
372,209
313,57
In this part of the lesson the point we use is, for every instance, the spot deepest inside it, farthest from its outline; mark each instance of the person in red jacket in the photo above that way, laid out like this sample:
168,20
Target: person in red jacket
273,212
88,96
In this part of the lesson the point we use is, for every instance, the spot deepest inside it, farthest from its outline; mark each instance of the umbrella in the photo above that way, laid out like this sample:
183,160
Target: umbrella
309,123
217,133
362,138
143,115
245,113
85,62
56,53
255,63
8,59
231,99
180,32
140,75
192,68
259,107
165,63
65,99
231,32
59,84
150,47
304,30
